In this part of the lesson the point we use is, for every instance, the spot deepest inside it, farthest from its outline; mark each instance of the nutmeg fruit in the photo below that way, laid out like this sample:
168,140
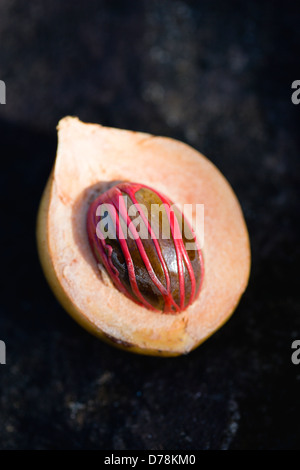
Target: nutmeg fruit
147,294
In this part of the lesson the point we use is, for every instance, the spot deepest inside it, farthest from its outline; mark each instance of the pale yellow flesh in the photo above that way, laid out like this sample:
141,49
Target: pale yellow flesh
89,158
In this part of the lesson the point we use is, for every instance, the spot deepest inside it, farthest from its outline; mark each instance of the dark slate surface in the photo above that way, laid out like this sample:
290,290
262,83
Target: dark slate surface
218,76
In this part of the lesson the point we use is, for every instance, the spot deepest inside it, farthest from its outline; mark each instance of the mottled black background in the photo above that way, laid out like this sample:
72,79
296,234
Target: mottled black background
218,76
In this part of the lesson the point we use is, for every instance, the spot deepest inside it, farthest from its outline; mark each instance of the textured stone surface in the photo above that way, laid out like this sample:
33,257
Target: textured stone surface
218,76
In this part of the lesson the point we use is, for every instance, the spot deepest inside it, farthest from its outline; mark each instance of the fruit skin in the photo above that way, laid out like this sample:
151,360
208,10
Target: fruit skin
45,237
168,291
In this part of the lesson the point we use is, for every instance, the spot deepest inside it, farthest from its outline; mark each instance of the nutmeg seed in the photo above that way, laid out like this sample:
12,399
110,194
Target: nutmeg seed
147,247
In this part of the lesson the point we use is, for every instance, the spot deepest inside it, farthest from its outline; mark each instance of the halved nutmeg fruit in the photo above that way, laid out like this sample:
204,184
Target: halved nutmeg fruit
141,239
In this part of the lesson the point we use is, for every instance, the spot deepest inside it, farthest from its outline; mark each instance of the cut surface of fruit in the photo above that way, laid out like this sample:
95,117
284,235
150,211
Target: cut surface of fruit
90,160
